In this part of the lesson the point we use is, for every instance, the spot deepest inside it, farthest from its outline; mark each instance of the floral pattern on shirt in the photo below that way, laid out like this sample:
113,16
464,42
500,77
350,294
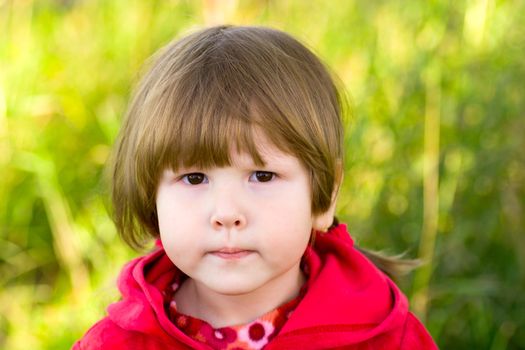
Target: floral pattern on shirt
254,335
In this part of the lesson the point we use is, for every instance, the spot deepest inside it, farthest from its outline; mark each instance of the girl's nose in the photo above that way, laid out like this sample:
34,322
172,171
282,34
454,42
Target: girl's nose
229,204
229,220
227,210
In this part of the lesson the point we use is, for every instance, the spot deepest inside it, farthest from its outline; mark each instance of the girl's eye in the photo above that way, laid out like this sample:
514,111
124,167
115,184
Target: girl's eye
194,178
262,176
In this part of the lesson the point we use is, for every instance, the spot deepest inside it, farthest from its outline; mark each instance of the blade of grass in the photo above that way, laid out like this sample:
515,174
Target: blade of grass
430,192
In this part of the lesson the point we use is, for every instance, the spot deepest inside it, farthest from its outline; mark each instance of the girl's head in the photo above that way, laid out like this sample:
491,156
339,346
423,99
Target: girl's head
215,91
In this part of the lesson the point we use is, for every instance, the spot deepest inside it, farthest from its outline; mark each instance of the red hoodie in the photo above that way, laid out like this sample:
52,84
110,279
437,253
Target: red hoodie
349,304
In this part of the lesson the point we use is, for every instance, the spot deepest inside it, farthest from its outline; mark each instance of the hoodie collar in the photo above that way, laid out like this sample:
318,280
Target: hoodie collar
346,295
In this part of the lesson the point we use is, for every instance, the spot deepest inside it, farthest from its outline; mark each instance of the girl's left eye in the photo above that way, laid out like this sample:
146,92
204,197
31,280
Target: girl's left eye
194,179
262,176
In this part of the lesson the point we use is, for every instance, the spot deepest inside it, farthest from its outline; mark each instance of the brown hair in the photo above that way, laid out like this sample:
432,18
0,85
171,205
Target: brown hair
206,93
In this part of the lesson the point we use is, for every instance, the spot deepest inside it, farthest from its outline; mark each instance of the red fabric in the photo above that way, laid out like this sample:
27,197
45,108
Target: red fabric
349,304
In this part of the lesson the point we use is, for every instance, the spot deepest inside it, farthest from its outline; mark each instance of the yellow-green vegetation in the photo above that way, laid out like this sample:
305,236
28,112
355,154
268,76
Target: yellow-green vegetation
435,150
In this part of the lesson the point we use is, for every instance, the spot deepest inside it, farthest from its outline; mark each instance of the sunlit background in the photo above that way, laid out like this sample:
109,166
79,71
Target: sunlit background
435,162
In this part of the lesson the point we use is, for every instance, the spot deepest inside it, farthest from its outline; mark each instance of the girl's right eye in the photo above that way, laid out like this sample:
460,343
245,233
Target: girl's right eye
194,179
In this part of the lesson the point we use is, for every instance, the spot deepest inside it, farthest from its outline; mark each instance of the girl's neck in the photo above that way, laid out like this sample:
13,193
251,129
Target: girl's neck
221,310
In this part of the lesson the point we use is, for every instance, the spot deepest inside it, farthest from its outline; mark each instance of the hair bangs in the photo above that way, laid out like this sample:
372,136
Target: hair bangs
214,121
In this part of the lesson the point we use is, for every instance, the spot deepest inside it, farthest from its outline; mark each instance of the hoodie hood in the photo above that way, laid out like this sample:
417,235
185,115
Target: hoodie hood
348,300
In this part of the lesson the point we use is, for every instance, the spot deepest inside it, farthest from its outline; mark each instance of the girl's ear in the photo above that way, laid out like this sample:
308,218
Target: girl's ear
323,221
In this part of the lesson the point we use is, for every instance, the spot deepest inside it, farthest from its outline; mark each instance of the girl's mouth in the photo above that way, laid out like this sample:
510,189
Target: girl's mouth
231,253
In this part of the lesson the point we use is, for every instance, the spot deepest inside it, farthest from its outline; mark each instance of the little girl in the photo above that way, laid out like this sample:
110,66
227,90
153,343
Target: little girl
231,156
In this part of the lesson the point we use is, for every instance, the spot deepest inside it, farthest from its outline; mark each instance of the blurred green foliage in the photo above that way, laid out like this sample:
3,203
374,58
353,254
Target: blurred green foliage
435,150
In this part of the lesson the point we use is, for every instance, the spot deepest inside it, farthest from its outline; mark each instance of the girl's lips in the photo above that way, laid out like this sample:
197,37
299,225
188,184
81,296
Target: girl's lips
231,253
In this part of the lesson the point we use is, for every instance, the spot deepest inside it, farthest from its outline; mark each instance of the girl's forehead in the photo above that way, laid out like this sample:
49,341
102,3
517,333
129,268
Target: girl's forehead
268,151
215,140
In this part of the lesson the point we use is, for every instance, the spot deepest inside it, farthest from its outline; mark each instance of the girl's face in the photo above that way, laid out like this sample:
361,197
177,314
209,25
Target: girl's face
238,229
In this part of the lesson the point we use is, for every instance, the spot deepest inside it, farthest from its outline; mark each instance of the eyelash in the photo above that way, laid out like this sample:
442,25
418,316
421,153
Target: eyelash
202,178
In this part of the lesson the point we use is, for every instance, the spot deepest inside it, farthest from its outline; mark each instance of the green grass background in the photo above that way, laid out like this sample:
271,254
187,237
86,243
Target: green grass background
435,161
